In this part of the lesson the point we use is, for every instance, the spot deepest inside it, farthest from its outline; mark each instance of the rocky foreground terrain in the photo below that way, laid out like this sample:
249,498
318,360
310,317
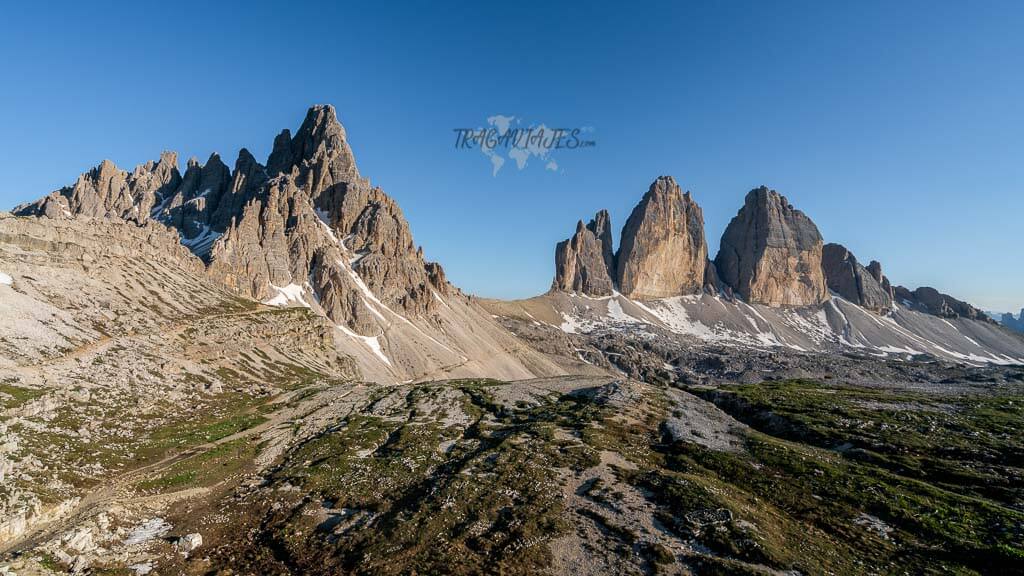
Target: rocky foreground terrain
255,371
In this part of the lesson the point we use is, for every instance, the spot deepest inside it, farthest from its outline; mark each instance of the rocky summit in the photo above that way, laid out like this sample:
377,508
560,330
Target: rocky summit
851,280
771,253
773,283
663,250
585,262
307,229
273,231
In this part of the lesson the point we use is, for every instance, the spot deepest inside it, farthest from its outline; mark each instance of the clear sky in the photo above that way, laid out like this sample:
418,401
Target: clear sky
897,126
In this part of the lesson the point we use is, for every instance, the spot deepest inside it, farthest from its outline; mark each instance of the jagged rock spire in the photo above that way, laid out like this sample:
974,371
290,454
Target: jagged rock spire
259,229
320,142
663,249
662,252
106,191
585,262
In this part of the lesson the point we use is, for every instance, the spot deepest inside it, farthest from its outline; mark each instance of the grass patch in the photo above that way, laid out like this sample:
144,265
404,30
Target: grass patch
13,396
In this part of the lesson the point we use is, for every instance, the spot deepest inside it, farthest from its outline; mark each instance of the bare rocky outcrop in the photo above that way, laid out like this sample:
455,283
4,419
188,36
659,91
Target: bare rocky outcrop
875,268
851,280
585,263
771,253
1013,323
107,191
307,223
319,225
663,249
712,283
930,300
309,230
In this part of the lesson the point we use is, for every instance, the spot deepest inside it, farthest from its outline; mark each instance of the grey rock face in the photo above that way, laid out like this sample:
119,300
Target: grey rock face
930,300
771,253
663,249
317,221
109,192
875,268
307,219
712,282
585,262
848,278
601,226
1013,323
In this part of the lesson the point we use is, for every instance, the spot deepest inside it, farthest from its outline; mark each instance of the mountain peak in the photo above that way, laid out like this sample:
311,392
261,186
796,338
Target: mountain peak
771,253
663,249
321,139
584,263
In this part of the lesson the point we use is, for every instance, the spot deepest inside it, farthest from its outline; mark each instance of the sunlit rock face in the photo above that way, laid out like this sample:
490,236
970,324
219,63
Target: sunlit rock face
771,253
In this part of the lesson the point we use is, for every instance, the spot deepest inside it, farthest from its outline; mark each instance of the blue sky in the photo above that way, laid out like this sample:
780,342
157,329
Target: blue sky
897,126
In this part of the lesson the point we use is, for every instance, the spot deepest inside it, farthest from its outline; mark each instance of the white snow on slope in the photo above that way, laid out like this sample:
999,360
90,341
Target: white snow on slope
616,313
369,296
6,279
575,325
288,294
836,324
373,342
674,315
203,241
324,217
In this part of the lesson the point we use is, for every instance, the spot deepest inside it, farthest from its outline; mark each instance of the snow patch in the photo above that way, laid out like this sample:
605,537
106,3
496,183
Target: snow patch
617,314
373,342
898,350
6,279
288,294
574,325
202,242
325,220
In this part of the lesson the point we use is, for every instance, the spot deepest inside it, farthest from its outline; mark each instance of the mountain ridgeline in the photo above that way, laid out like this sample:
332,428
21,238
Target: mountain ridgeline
269,231
307,229
771,254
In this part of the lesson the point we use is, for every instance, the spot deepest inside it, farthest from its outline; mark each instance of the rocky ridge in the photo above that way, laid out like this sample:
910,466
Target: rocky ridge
307,229
273,231
771,254
851,280
931,301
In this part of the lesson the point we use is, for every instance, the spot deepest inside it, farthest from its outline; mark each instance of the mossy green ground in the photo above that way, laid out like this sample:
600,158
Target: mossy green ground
941,471
828,480
14,396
